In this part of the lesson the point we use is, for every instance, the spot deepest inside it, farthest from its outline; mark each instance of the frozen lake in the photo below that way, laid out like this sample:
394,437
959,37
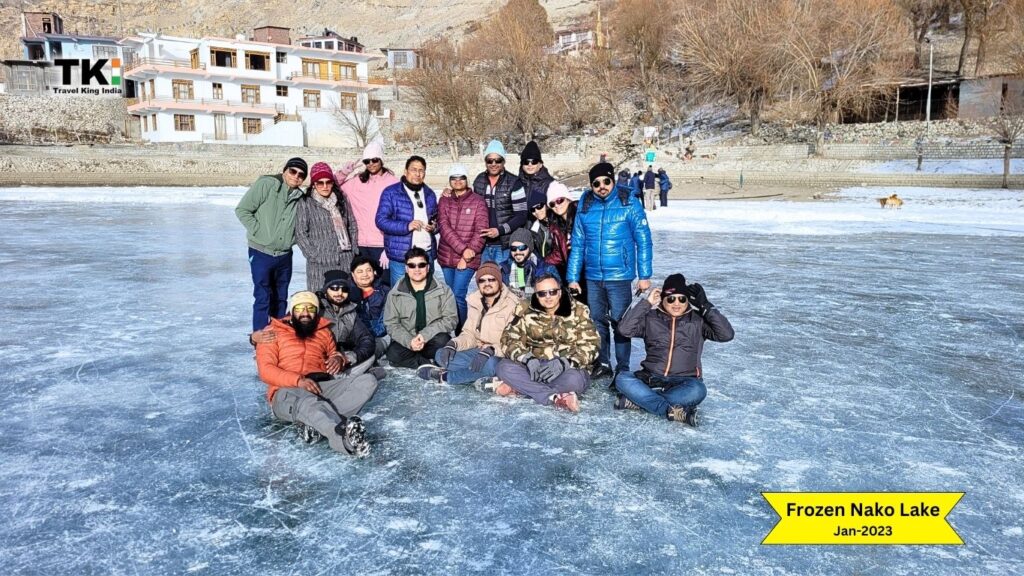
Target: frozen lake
875,350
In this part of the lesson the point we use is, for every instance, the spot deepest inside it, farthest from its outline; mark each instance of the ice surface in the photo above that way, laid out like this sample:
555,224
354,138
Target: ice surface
875,350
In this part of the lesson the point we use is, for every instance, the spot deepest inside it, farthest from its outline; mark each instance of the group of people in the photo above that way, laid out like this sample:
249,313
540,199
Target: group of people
554,294
644,184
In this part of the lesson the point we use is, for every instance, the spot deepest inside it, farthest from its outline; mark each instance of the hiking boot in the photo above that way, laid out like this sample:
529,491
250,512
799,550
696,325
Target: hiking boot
432,372
353,436
623,403
308,434
600,371
567,401
684,415
377,372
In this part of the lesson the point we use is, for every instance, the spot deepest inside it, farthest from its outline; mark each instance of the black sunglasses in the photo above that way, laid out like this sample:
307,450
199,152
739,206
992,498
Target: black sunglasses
495,161
675,298
557,202
338,288
601,181
531,162
297,172
547,293
486,280
457,178
369,161
518,247
416,195
417,266
537,207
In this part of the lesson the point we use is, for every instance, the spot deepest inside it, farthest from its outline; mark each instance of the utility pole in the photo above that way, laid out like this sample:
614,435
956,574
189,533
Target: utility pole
928,104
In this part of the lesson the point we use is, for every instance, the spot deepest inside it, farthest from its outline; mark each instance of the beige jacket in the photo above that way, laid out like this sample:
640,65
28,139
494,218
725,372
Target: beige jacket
484,328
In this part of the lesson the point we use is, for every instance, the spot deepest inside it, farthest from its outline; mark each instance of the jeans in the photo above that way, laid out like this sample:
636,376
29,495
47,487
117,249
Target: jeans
270,278
608,301
398,268
685,391
458,281
494,253
459,372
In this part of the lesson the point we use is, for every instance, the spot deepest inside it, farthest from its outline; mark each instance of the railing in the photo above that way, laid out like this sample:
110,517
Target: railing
210,102
137,62
328,77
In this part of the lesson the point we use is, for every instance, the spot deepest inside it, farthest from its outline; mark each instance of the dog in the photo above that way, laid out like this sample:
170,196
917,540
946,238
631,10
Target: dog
893,201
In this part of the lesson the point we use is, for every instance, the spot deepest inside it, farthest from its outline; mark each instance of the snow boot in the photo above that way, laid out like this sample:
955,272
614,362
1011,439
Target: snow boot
684,415
353,436
432,372
308,434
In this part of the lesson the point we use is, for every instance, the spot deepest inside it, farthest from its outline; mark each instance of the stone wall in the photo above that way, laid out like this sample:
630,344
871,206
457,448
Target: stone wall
941,150
61,120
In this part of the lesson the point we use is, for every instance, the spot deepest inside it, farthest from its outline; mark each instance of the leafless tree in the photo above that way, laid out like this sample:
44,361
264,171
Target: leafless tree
641,34
1007,128
923,15
359,121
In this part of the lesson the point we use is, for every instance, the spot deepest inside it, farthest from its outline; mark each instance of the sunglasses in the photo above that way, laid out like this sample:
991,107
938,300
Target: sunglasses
557,202
518,247
495,161
548,293
487,280
419,202
602,181
537,207
531,162
457,178
304,308
675,298
417,266
338,288
320,183
297,172
369,161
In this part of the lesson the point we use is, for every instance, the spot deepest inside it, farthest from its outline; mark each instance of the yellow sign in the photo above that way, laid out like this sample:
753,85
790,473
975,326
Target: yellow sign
862,517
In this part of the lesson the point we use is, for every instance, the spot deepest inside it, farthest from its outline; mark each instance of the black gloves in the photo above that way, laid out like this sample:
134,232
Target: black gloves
481,358
551,369
698,299
445,355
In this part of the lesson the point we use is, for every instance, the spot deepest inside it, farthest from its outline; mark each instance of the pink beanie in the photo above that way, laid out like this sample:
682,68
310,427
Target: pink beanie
320,171
557,190
373,150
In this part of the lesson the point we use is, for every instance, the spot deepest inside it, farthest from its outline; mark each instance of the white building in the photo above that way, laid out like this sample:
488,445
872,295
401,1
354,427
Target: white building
246,91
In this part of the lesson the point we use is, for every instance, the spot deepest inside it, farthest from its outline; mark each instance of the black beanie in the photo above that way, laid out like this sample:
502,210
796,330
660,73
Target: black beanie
338,277
602,169
674,284
297,163
530,152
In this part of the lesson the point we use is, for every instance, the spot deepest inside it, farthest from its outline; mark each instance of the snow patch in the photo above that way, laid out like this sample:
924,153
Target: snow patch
728,470
432,545
1014,531
403,525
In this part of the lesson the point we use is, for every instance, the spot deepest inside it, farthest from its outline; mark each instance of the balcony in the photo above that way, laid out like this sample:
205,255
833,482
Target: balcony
209,105
361,83
139,66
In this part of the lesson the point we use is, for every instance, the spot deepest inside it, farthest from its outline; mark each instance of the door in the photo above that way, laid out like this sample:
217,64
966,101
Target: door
220,128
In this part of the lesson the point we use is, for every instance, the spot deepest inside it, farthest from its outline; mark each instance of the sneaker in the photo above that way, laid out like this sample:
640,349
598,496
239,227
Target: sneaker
684,415
431,372
567,401
377,372
308,434
353,436
623,403
600,371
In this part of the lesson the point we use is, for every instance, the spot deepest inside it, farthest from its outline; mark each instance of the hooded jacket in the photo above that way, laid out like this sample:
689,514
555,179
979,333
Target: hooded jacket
394,214
371,308
288,358
569,334
506,204
460,219
351,336
664,184
610,238
400,311
267,210
674,345
485,324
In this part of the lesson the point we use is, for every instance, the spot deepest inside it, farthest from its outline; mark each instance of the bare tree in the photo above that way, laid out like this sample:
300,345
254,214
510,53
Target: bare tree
359,121
641,33
1007,128
923,15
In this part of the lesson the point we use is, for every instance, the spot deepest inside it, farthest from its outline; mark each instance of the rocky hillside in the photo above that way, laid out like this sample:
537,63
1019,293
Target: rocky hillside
377,23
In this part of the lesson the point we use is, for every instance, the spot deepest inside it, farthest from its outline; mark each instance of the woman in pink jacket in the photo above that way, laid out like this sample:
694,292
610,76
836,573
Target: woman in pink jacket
461,216
363,190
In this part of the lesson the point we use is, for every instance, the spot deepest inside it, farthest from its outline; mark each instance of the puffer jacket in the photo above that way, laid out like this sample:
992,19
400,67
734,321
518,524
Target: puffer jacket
610,239
536,186
351,336
664,184
394,214
460,220
400,311
569,334
506,204
636,185
485,325
674,345
371,308
267,210
363,200
532,267
284,361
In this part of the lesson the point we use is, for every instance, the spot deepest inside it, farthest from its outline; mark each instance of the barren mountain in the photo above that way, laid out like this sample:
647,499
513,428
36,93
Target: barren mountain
377,23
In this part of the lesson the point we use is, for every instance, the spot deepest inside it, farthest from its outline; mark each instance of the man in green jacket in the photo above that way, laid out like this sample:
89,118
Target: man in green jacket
268,213
419,314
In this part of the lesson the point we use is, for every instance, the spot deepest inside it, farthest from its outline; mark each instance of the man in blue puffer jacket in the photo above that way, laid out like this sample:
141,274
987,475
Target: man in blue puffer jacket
407,215
612,242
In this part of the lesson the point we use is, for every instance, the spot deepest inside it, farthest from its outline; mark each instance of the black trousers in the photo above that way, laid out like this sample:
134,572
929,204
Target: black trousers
402,357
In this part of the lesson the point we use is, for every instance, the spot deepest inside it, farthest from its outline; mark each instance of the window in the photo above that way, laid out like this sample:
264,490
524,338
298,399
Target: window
55,50
152,88
318,45
182,90
376,108
343,71
329,45
348,101
47,27
250,94
314,68
257,61
218,91
142,91
108,52
223,57
282,91
154,121
184,123
194,58
252,125
145,123
401,58
311,98
282,57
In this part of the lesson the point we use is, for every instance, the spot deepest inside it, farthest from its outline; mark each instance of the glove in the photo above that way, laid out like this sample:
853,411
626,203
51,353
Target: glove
481,358
534,365
552,369
351,165
445,356
384,262
698,299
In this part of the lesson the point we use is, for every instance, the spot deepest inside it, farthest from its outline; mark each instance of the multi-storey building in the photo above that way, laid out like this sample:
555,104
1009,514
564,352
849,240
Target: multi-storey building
255,91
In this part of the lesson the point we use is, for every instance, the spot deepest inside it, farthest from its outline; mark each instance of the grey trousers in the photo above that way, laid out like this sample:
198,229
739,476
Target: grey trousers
517,376
348,394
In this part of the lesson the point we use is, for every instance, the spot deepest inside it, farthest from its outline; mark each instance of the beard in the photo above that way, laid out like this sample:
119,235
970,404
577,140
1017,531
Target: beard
304,328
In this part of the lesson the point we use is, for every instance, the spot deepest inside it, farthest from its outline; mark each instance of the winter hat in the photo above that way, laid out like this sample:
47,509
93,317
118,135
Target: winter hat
297,163
338,277
674,284
557,190
488,268
457,170
530,152
320,171
304,297
373,150
494,147
521,235
602,169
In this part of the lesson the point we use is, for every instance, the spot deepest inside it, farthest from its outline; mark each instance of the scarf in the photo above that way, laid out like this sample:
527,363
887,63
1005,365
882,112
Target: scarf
330,204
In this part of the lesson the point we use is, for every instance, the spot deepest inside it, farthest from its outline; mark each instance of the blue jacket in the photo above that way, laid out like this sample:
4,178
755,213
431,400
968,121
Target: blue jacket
636,185
394,213
371,310
610,239
664,183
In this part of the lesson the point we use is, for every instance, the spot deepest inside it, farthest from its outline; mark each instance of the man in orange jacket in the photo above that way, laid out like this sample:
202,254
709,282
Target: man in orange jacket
301,389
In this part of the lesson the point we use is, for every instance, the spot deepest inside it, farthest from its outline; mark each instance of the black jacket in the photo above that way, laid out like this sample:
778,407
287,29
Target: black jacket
350,332
506,204
674,345
536,186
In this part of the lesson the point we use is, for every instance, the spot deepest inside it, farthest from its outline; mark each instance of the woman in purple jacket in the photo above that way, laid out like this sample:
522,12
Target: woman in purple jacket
461,216
407,215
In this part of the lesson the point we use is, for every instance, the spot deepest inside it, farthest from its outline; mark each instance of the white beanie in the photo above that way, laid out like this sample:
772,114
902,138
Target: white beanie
457,170
557,190
373,150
